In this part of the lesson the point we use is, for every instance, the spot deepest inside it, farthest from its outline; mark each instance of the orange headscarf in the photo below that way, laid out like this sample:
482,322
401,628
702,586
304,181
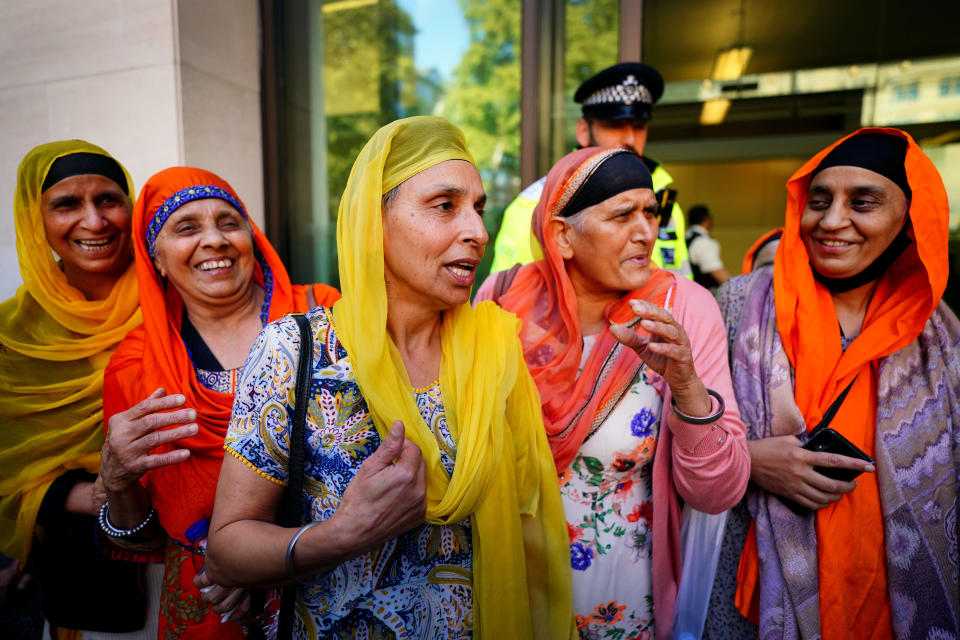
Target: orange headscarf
542,295
154,355
852,575
759,243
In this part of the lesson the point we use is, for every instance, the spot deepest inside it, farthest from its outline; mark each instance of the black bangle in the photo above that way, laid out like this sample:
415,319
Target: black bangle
113,532
713,417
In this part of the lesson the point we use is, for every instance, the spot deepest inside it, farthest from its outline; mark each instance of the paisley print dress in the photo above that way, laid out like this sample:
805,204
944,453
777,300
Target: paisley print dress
417,585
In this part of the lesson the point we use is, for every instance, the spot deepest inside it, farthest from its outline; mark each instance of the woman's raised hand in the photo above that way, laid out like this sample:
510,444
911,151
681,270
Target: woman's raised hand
781,466
387,496
666,351
133,433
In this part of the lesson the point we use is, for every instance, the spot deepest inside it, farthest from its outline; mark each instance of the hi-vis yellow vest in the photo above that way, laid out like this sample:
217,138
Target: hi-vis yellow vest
513,241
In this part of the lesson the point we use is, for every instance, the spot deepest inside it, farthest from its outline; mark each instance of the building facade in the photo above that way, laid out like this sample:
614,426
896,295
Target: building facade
278,96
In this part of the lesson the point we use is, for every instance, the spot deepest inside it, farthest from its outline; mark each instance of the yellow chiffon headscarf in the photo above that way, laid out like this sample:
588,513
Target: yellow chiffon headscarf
54,345
504,477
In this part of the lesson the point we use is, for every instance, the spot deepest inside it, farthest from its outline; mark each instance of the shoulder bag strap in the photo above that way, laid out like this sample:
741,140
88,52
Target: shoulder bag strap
291,511
503,282
832,409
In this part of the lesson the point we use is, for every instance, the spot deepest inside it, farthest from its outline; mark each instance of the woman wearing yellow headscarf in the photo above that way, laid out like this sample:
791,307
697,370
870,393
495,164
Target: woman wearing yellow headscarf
56,336
405,371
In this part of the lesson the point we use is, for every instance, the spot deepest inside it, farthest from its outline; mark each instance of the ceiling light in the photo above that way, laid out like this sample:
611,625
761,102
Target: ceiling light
732,62
729,65
714,111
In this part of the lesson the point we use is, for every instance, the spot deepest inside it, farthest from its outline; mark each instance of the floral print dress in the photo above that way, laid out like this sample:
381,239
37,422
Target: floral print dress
607,493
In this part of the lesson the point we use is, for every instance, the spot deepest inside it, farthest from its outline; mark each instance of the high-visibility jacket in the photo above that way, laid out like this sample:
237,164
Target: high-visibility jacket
513,244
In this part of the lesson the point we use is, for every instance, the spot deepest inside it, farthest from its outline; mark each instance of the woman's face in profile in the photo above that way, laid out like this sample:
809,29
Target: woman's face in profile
205,249
851,216
433,236
608,247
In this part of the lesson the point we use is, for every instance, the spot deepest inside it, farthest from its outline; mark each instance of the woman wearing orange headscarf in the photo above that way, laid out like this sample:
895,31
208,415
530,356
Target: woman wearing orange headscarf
853,300
631,423
762,251
209,281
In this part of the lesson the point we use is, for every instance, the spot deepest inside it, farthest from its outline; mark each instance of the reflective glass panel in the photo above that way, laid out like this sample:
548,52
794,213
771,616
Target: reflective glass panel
348,67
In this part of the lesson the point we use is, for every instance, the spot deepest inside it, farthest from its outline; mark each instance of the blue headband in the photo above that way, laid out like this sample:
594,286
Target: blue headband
180,198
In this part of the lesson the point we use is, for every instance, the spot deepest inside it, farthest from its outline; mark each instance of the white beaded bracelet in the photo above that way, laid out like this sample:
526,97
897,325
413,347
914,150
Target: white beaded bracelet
113,532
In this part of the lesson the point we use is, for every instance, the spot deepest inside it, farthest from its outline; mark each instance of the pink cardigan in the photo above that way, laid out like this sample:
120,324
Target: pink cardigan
708,466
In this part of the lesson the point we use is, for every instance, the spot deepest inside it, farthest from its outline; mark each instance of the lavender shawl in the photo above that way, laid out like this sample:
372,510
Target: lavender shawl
918,469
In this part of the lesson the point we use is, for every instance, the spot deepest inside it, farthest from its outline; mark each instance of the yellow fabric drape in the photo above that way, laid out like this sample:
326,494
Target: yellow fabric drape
504,477
54,344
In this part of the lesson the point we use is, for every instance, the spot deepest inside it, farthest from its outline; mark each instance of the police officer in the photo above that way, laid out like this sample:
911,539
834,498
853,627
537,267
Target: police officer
617,103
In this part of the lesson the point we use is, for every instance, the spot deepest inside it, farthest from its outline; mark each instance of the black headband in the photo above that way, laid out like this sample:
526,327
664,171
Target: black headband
618,173
82,163
877,152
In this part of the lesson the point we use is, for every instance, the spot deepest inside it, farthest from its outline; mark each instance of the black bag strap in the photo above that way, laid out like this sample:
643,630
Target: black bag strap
832,409
290,512
503,282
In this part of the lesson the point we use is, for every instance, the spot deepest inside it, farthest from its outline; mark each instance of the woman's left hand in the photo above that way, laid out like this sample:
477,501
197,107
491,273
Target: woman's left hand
666,351
231,601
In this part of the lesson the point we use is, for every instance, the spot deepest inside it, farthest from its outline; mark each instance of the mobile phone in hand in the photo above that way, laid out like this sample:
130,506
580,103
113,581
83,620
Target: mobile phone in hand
829,440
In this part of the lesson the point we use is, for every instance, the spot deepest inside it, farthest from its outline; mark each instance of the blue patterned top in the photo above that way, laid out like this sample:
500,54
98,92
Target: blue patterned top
416,585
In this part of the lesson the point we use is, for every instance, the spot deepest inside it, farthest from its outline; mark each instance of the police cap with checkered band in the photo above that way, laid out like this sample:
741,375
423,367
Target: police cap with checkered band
625,90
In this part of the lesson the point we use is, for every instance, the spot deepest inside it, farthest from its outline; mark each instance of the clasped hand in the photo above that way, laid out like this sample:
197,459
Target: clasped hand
232,602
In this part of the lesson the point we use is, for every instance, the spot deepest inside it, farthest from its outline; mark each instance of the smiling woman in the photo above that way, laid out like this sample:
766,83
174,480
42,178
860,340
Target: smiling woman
87,222
848,324
72,212
209,281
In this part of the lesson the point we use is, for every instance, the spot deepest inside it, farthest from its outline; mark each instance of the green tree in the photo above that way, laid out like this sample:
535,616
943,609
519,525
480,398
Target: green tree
592,43
484,96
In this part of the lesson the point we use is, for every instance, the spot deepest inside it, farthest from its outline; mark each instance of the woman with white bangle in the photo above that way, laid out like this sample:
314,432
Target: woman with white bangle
209,281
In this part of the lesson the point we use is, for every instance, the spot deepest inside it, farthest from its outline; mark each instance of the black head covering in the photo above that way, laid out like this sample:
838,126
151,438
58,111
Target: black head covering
877,152
82,163
620,172
623,91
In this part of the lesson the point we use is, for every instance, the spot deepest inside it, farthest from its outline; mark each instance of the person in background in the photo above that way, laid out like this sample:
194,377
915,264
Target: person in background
708,269
630,361
762,252
617,105
209,281
78,300
848,326
403,370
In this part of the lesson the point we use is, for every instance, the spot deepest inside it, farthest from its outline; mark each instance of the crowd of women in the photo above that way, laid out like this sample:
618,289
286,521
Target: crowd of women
525,466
